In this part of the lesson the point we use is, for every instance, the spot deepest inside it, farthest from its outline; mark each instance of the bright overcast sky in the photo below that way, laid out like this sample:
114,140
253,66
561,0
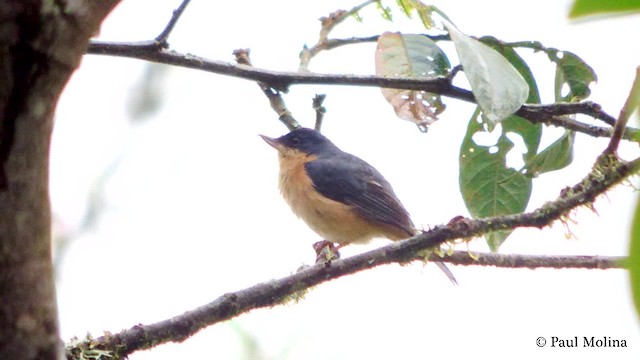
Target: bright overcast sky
192,210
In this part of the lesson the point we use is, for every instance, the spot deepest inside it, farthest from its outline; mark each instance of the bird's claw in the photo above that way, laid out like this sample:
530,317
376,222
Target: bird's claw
326,252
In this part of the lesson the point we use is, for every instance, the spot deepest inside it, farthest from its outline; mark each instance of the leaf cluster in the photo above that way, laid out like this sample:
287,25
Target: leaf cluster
501,82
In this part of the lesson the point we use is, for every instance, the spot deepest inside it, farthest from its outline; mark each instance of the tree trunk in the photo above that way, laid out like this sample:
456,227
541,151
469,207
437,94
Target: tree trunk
41,43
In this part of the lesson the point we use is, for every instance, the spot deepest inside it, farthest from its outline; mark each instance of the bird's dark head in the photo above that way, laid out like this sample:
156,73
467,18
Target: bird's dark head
303,140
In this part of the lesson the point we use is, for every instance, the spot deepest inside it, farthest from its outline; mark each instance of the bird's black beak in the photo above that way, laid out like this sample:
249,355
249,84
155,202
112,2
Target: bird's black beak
271,141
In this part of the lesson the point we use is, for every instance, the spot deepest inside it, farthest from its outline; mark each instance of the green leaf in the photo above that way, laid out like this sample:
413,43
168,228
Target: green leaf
574,72
530,133
406,6
425,12
497,238
571,71
356,16
504,187
498,87
488,186
556,156
634,258
385,11
415,57
581,8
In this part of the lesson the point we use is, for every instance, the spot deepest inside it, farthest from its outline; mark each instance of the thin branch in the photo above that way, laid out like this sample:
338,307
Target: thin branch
327,252
331,44
164,35
548,114
544,114
588,108
532,261
275,99
607,172
277,79
625,113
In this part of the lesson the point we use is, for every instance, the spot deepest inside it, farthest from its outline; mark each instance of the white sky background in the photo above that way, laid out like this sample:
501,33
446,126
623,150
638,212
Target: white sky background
193,211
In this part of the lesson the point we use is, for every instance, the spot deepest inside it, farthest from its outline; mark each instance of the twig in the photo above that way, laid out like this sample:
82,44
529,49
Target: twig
275,99
603,177
164,35
625,113
331,44
334,43
585,108
327,24
454,71
571,124
320,110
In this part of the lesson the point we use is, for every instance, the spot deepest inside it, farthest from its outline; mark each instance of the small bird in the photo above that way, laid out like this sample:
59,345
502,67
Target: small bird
338,195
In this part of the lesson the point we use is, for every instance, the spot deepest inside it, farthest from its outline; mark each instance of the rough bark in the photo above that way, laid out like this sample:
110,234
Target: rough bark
41,43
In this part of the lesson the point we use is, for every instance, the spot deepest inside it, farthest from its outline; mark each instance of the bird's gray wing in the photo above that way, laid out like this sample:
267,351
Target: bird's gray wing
350,180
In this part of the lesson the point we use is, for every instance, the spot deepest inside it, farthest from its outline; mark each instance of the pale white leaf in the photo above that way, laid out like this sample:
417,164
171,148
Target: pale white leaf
498,87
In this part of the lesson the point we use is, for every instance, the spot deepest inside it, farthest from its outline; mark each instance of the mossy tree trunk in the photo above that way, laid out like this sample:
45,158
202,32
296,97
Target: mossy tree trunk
41,44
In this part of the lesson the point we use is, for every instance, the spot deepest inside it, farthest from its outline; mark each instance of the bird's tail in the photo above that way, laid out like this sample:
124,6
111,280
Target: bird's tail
441,265
447,272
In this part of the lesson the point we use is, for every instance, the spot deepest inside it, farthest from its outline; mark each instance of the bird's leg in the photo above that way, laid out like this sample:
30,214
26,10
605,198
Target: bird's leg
340,246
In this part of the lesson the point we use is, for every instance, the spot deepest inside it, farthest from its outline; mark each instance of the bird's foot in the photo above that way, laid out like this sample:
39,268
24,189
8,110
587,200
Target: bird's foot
326,252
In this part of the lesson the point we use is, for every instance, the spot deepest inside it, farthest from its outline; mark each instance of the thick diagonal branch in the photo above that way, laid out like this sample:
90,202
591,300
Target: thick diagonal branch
606,173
